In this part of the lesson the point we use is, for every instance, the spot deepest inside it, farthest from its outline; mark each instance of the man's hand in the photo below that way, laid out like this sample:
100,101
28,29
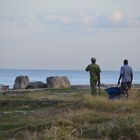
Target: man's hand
118,82
98,83
99,87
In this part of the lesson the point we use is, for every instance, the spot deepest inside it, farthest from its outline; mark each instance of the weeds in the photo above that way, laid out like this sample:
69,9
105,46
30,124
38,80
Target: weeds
76,116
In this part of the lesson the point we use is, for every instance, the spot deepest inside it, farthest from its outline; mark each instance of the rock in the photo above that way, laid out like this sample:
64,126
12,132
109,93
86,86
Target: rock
58,82
35,85
80,86
0,86
21,82
5,87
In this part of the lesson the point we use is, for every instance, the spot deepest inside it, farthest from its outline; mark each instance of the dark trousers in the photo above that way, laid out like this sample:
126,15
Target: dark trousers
93,86
125,86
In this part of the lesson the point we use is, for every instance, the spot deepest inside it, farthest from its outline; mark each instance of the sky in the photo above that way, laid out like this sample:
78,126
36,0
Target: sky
65,34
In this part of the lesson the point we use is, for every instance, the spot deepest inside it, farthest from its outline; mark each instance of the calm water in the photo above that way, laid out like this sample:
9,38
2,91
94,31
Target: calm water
76,77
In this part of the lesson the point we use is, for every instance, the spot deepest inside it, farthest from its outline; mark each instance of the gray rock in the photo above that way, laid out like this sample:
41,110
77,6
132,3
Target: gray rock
0,86
5,87
21,82
58,82
37,84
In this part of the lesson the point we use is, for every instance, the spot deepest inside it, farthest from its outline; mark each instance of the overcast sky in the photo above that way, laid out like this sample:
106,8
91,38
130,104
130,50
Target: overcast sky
65,34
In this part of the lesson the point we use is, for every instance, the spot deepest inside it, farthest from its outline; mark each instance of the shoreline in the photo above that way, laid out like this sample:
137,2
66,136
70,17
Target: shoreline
82,87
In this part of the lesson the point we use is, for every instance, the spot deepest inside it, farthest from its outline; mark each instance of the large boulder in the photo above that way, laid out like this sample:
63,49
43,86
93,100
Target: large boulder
37,84
21,82
0,86
58,82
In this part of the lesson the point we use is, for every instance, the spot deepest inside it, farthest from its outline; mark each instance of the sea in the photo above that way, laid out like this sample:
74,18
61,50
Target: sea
76,77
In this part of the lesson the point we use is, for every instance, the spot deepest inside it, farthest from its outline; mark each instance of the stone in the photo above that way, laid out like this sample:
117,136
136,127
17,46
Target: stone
0,86
37,84
21,82
5,87
58,82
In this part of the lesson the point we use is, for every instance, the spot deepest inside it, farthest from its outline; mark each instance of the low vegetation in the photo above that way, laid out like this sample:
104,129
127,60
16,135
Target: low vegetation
69,114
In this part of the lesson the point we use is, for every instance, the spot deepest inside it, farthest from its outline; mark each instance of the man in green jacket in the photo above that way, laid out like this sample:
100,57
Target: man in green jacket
94,72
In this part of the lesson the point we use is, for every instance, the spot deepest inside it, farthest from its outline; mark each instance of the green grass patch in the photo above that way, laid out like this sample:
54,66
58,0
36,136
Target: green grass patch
69,114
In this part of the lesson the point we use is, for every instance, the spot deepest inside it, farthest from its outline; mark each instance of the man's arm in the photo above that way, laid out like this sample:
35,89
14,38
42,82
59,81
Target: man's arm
131,76
87,68
99,79
99,71
121,74
119,79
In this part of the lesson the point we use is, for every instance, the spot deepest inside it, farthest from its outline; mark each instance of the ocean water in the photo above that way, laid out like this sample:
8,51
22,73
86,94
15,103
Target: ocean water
76,77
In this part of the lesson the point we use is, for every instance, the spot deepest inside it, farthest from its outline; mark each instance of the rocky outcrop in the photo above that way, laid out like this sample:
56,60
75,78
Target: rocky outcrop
5,87
35,85
21,82
0,87
58,82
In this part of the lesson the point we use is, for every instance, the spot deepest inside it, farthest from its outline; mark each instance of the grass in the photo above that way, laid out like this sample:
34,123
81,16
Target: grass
69,114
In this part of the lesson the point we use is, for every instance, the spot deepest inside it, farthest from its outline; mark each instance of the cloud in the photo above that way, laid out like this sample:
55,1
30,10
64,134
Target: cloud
54,18
74,22
109,23
83,20
69,22
135,23
117,16
18,21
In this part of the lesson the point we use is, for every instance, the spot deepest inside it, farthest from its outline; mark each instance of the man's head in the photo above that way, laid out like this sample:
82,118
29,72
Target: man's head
93,60
125,62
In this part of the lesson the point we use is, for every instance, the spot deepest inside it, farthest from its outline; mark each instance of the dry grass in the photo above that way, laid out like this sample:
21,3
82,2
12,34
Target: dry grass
113,106
77,116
